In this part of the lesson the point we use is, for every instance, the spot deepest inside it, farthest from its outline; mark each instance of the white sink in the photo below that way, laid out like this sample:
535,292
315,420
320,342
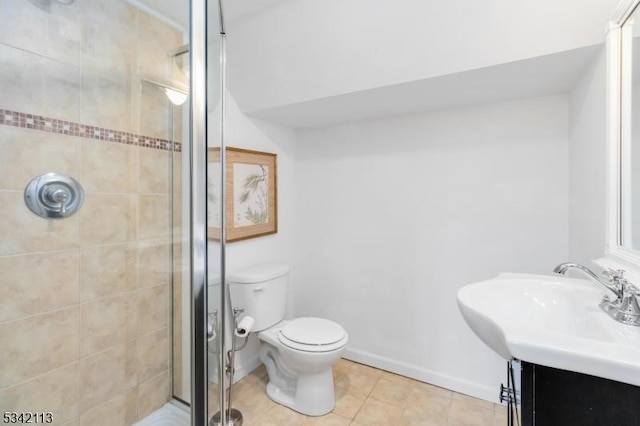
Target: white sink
553,321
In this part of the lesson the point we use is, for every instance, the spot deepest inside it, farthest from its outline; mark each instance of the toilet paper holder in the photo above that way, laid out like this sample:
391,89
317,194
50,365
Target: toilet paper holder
241,328
244,326
241,332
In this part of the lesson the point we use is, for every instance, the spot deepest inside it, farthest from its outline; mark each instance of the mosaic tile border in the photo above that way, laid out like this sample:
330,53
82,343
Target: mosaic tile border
53,125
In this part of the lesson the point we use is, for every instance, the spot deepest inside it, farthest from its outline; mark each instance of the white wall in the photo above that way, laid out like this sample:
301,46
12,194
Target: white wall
301,50
243,132
588,164
389,218
247,133
631,190
392,217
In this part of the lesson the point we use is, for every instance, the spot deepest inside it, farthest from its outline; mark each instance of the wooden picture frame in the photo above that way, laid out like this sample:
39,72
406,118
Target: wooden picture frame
251,194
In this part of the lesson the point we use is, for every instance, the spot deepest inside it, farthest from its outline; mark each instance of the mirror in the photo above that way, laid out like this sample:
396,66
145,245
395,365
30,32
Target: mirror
630,133
623,51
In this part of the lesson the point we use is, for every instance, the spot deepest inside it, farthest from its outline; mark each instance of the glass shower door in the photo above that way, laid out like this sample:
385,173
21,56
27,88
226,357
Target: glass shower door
88,330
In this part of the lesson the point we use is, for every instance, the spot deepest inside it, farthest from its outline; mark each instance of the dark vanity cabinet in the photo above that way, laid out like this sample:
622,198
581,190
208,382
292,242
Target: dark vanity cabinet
552,397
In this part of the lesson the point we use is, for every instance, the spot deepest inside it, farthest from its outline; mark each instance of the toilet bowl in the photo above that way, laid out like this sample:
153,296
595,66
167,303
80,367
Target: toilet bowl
298,353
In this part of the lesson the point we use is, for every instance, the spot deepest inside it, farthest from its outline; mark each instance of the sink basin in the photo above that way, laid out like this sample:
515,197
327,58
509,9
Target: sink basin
553,321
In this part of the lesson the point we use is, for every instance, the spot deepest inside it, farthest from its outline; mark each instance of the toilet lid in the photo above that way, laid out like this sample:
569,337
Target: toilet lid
313,331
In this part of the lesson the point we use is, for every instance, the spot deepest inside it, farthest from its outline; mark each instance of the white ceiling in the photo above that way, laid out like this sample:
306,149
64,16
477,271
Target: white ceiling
177,11
541,76
328,62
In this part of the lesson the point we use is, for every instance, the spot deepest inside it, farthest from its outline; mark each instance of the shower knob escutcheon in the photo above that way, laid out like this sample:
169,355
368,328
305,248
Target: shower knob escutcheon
54,196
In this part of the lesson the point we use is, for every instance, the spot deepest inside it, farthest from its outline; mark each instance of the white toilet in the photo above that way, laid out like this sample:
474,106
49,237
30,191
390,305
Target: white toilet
298,353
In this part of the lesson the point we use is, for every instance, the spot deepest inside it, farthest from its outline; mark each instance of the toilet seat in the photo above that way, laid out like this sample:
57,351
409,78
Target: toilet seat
312,335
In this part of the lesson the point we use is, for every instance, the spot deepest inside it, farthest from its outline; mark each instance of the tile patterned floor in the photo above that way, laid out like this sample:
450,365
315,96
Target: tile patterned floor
366,396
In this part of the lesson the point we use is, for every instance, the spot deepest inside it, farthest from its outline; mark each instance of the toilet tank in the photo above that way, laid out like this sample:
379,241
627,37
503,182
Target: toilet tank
261,291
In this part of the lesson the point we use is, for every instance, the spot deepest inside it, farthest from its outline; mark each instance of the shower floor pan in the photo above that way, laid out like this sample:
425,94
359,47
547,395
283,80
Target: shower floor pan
167,415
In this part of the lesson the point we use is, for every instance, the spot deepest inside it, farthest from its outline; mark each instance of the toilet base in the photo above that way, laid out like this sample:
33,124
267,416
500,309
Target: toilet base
298,379
312,395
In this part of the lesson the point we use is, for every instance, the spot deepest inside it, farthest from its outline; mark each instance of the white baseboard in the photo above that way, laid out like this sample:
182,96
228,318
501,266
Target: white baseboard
418,373
409,370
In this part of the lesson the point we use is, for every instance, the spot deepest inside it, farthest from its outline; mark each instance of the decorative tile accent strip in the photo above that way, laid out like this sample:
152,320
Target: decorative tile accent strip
46,124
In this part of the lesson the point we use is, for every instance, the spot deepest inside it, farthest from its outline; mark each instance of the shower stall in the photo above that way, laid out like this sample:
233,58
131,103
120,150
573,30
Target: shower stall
103,247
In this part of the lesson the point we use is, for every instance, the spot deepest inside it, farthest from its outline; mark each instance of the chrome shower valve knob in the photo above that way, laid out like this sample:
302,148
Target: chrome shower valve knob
54,196
58,196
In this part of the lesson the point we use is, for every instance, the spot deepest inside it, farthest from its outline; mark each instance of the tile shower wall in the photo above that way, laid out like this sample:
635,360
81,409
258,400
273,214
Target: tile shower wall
84,301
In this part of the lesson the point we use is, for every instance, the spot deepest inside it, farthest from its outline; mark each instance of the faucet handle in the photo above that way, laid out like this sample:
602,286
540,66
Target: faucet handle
616,273
615,276
616,280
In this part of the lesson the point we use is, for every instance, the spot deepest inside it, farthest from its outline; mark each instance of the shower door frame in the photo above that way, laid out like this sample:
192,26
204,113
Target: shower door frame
198,36
198,210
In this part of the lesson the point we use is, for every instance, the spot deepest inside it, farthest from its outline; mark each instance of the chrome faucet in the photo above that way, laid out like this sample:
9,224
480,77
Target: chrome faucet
625,308
613,282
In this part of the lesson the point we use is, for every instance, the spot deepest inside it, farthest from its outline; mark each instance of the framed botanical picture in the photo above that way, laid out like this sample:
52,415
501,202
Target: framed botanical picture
251,194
